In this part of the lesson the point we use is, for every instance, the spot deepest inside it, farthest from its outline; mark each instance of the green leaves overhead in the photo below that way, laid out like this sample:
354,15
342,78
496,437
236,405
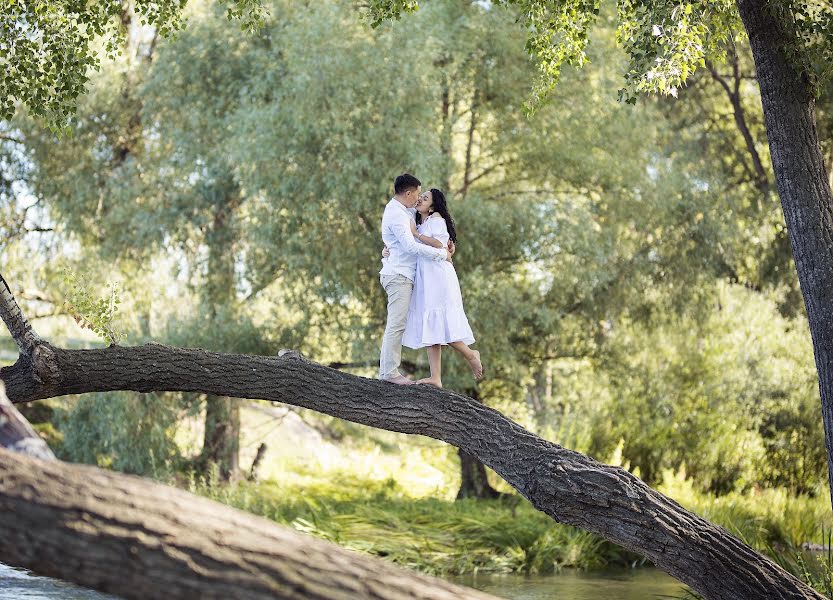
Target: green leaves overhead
47,48
810,28
666,40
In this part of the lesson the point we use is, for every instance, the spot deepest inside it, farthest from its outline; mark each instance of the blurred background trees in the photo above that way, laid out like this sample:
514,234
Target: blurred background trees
625,268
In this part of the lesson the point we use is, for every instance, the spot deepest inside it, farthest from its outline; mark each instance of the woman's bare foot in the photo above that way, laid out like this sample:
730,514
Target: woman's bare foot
399,380
431,381
475,364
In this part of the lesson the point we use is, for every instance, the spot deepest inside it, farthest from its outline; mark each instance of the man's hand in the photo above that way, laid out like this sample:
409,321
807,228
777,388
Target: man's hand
413,228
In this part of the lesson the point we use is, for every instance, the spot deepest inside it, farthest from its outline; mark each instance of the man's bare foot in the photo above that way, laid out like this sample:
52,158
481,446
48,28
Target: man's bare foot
475,364
431,381
399,380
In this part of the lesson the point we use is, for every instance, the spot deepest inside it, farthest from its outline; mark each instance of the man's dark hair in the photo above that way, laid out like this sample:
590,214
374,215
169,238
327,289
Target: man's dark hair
406,182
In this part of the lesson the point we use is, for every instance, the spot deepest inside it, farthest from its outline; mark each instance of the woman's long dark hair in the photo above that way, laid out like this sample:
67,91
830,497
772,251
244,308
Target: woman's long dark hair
439,205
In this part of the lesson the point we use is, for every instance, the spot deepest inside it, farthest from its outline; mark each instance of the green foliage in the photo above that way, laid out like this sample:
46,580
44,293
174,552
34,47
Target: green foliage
666,40
433,536
128,432
49,47
95,314
809,29
444,537
730,400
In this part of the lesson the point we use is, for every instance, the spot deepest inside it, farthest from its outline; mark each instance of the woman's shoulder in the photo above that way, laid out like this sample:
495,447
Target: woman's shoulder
437,218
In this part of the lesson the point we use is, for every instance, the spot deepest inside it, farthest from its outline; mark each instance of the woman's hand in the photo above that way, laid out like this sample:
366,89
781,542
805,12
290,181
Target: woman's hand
385,252
413,228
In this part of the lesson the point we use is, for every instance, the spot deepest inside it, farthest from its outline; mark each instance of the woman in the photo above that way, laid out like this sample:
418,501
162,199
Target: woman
436,317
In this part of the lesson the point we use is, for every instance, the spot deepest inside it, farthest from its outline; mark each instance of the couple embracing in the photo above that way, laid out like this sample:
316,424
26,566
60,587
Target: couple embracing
425,306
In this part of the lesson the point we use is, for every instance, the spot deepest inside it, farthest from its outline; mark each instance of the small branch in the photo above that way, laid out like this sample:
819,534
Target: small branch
261,452
11,138
18,326
470,144
35,296
760,178
482,174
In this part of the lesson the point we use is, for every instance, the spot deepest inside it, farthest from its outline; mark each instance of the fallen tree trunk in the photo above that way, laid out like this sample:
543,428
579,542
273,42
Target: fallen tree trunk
138,539
568,486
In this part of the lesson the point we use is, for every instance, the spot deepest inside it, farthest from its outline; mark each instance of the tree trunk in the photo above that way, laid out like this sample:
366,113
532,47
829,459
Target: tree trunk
138,539
474,483
221,441
803,185
568,486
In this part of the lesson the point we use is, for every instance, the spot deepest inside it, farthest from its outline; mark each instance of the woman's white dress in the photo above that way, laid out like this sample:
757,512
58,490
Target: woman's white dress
436,313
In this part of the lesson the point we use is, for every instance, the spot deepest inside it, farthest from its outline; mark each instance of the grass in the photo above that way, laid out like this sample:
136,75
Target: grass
434,536
443,537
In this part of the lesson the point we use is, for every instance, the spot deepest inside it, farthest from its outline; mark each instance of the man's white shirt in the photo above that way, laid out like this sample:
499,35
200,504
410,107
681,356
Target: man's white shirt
404,249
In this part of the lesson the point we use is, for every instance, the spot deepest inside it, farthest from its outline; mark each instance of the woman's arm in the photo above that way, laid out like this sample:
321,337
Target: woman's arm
425,239
429,241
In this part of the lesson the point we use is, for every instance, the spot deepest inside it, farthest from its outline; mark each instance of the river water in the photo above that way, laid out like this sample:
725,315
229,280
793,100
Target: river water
638,584
17,584
614,584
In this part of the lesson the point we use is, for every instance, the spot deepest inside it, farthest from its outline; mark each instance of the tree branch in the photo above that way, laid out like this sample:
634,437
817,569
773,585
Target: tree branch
761,178
18,326
568,486
11,138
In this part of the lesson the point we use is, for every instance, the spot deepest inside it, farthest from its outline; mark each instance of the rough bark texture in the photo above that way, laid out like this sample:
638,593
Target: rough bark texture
16,323
138,539
802,184
566,485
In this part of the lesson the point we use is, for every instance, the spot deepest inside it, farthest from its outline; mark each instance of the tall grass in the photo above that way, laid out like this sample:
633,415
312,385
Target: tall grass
443,537
438,537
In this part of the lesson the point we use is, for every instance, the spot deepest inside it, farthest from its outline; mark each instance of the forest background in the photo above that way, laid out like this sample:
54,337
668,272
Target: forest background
625,268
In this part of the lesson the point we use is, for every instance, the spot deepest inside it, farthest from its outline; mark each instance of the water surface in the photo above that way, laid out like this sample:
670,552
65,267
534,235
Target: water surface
19,584
618,584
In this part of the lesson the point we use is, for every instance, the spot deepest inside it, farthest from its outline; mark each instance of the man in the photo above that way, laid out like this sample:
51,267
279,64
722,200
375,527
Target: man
398,271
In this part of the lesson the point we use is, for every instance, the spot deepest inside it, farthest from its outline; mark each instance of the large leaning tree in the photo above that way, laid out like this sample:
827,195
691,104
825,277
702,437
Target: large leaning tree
667,40
46,505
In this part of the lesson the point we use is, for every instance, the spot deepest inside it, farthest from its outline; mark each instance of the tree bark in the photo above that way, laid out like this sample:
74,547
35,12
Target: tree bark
138,539
22,332
568,486
803,185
